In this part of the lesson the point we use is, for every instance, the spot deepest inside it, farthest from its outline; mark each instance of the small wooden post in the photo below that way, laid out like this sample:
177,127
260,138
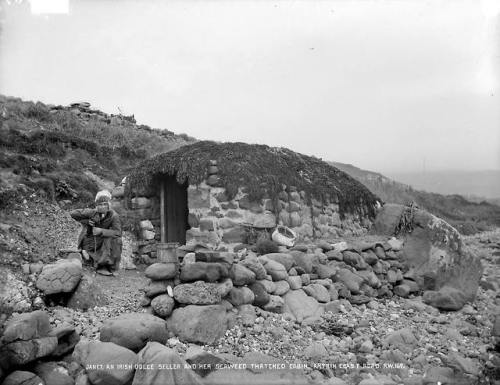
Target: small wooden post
163,218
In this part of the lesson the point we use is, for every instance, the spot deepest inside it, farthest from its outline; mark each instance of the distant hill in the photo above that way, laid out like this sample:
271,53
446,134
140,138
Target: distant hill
466,215
484,184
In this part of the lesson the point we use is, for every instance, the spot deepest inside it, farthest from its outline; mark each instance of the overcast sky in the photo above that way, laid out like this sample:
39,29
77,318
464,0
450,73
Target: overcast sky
383,85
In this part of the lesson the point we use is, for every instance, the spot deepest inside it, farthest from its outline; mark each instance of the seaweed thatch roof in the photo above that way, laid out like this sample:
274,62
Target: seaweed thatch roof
261,170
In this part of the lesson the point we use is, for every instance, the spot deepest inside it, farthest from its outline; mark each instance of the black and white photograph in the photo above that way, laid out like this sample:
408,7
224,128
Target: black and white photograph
249,192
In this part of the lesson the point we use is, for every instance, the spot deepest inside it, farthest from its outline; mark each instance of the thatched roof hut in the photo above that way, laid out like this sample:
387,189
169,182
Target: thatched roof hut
260,170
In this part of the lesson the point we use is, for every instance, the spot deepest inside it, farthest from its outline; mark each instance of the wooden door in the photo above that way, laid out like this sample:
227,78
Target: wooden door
176,210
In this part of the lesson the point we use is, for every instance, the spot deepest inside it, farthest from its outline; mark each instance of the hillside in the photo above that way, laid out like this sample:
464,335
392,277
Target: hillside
68,153
467,216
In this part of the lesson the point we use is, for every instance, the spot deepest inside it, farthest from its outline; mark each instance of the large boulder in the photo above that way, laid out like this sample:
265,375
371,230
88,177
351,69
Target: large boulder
388,219
159,271
301,306
60,277
105,362
318,292
303,260
21,377
27,326
224,287
324,271
350,280
370,278
199,324
163,305
285,259
198,293
254,265
281,288
88,294
53,374
67,338
157,287
23,352
435,252
134,330
276,270
240,296
270,286
275,304
261,296
204,271
161,365
354,259
447,298
241,275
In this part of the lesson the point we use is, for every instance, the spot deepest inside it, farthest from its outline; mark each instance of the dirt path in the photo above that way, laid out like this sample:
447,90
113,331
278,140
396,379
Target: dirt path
123,290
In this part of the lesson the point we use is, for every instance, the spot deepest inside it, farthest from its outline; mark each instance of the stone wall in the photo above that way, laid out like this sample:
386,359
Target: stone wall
216,220
301,283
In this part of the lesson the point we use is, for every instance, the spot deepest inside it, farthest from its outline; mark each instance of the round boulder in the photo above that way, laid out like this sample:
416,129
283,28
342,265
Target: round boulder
134,330
447,298
240,296
60,277
254,265
21,377
205,271
318,292
163,305
276,270
159,356
106,362
27,326
53,374
281,287
159,271
261,296
241,275
285,259
199,324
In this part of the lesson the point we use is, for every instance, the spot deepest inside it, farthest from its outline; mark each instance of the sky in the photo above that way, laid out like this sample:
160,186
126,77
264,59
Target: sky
385,85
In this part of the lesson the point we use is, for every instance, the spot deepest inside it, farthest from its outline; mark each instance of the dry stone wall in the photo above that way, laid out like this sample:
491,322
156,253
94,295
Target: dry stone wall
216,220
301,283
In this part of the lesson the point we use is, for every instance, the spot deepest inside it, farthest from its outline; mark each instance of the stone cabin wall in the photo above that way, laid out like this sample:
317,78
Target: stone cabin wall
214,219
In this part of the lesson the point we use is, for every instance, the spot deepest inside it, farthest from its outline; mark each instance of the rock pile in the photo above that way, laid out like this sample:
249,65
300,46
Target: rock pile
28,337
302,284
435,253
159,291
83,111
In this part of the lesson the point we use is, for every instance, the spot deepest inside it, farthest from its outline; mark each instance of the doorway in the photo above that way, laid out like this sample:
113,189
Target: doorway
174,210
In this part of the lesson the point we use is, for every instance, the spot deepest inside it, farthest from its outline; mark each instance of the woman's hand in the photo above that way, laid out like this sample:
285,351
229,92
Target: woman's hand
96,231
